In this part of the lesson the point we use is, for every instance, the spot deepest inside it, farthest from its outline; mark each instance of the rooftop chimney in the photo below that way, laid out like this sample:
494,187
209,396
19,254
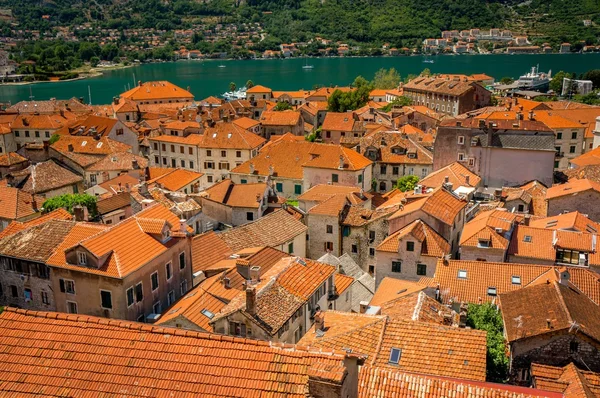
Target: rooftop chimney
446,179
320,321
134,164
341,165
139,83
364,305
519,116
481,123
565,276
271,170
531,115
468,180
251,165
70,148
462,316
526,220
251,300
182,226
81,213
255,274
116,100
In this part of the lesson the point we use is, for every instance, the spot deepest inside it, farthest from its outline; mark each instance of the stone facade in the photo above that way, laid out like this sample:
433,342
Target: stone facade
584,202
25,284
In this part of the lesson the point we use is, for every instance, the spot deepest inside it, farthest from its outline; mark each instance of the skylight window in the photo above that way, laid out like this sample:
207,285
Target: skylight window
492,291
214,135
527,238
99,145
229,135
83,143
395,354
462,274
551,223
516,280
207,313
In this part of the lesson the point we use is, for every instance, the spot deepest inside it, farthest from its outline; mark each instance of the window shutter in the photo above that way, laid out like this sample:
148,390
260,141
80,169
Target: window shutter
62,285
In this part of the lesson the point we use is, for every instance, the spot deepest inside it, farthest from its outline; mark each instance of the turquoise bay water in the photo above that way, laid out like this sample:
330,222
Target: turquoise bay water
205,78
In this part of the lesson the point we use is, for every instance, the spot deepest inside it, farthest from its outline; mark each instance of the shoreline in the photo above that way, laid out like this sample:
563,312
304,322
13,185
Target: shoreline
94,72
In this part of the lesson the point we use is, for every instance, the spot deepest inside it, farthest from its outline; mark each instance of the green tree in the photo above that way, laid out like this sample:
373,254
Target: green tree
592,98
594,76
67,201
426,72
94,61
557,81
398,102
282,106
54,138
386,79
487,317
507,80
232,86
249,84
407,183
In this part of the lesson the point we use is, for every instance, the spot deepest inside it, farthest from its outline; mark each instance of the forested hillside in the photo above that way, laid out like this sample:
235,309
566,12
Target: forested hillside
400,22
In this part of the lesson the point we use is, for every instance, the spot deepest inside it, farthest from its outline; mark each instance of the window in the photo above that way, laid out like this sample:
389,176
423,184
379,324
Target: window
172,148
45,298
421,269
106,299
354,249
572,149
574,135
209,165
328,246
171,297
14,291
182,163
461,157
173,163
154,280
249,216
238,154
297,189
129,297
559,136
471,161
164,161
371,270
27,295
573,346
570,257
291,247
208,152
462,274
139,292
382,186
527,239
410,246
556,164
515,280
383,169
181,149
191,164
334,178
492,291
279,186
237,329
395,355
461,140
71,307
329,229
396,266
346,230
16,134
67,286
81,258
372,251
191,150
183,286
156,307
182,260
243,181
27,134
223,154
47,134
119,131
209,178
395,170
169,270
484,243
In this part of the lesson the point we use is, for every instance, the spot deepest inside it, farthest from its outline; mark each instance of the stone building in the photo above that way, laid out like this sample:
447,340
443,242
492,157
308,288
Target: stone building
580,195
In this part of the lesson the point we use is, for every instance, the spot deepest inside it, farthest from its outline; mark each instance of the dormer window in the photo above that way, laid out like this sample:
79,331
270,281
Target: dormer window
462,274
81,258
166,235
398,150
516,280
484,243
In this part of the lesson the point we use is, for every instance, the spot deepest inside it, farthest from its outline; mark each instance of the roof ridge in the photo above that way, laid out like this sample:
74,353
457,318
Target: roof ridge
380,340
563,304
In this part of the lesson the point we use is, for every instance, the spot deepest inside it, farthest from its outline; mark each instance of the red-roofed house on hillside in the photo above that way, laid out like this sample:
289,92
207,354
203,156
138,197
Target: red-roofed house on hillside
338,125
16,205
280,123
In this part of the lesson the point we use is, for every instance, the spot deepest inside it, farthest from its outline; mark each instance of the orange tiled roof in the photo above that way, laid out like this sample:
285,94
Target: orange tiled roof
16,226
418,306
542,243
322,192
192,139
207,249
230,135
245,122
237,195
526,311
440,86
157,90
45,176
272,230
440,204
591,158
485,227
573,186
284,118
266,361
568,380
574,220
339,121
258,89
395,148
303,279
16,204
119,162
432,243
456,173
288,157
42,122
386,382
476,277
176,179
391,288
11,158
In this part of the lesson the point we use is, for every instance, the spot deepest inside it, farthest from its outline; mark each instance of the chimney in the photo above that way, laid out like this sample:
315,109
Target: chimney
364,305
70,148
446,179
243,268
462,316
34,203
182,226
251,300
251,166
116,100
519,115
468,180
134,164
271,170
531,115
341,165
139,83
565,276
526,220
481,123
255,274
81,213
226,283
320,321
10,179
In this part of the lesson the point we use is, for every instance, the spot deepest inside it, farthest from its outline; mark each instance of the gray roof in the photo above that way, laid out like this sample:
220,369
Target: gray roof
363,287
540,142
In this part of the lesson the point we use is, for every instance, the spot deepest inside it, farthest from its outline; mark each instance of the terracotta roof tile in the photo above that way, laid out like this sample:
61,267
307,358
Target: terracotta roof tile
230,135
44,177
16,204
440,86
384,382
338,121
393,147
114,202
16,226
207,249
119,162
303,280
176,179
440,204
526,312
237,195
11,158
89,145
486,226
283,118
272,230
572,187
432,243
258,89
569,380
418,306
457,174
36,243
220,373
157,90
391,288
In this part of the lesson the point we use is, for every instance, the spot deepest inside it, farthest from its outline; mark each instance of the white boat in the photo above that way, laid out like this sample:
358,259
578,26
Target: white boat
222,66
534,80
235,95
307,66
428,61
